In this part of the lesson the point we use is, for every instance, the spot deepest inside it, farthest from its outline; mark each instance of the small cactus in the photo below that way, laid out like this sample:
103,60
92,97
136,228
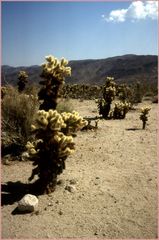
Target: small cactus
120,110
144,116
22,76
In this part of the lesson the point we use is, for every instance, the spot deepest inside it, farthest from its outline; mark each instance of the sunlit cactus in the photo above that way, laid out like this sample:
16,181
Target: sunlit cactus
120,110
22,76
109,92
54,143
53,73
144,116
53,131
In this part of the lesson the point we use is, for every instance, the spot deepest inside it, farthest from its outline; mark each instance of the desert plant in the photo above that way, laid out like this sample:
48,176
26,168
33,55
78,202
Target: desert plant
17,115
64,105
144,116
53,73
22,76
54,143
53,131
3,91
124,93
137,93
109,92
120,110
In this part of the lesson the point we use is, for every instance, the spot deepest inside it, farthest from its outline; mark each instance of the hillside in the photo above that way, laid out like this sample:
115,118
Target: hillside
127,68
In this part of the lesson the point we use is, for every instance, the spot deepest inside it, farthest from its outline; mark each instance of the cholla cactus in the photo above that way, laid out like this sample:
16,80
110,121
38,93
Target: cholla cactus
53,73
120,110
22,76
144,115
54,143
109,92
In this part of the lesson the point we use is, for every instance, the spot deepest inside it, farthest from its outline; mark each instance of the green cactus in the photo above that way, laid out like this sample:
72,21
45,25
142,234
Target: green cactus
144,116
53,131
22,76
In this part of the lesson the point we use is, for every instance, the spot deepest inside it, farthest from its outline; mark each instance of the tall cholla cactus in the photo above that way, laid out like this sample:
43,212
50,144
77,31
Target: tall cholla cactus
144,116
109,92
53,131
53,73
54,143
22,76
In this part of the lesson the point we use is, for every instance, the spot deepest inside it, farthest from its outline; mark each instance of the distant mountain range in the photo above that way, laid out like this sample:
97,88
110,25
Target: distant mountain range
127,68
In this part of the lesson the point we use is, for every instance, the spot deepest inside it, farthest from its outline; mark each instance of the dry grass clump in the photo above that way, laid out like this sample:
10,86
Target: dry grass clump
17,114
65,105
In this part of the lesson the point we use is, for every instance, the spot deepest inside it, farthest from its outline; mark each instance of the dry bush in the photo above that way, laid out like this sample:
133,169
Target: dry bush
65,105
17,115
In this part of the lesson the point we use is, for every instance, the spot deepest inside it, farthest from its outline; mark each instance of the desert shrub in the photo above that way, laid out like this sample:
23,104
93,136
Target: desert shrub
65,105
137,93
3,91
17,114
53,131
32,89
124,93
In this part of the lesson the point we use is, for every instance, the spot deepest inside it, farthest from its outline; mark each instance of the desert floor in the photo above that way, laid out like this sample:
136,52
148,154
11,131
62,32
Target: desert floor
113,180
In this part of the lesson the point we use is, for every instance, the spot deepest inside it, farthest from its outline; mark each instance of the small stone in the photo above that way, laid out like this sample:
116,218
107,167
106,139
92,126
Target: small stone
29,203
73,181
60,212
60,182
70,188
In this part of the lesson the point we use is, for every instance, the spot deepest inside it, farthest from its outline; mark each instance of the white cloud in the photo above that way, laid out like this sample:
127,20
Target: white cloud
137,10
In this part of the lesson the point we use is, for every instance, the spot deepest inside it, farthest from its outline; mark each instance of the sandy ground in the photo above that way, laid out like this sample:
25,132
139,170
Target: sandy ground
113,175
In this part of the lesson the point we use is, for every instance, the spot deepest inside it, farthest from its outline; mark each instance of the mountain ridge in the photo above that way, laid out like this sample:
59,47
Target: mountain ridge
125,68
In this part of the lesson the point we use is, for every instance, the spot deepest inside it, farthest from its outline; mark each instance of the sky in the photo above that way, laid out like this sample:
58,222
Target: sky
76,30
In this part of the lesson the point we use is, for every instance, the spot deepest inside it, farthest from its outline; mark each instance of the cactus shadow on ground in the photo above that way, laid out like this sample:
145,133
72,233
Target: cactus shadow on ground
133,129
12,192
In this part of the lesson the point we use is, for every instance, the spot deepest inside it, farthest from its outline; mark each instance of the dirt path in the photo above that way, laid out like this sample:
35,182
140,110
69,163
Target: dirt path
113,175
